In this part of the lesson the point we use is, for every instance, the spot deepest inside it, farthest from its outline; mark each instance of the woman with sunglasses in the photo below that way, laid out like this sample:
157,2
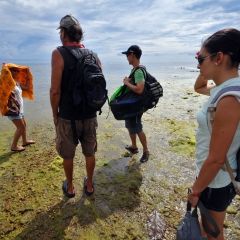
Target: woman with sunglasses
218,60
19,121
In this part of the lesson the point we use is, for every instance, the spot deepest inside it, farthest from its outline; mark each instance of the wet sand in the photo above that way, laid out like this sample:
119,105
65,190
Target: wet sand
126,191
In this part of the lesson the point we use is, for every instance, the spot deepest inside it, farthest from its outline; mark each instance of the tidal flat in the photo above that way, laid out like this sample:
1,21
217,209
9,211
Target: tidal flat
32,205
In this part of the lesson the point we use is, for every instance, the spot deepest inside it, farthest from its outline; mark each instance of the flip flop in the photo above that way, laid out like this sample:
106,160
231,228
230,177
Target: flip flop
85,187
17,150
131,149
65,190
28,143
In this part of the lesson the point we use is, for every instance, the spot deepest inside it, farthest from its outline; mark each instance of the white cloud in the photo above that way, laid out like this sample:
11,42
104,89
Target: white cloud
166,27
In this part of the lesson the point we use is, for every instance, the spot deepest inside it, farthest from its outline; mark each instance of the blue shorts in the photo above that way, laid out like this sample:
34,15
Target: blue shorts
134,124
218,199
16,117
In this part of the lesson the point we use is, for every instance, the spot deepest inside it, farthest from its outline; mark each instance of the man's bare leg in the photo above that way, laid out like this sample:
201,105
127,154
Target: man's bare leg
90,165
68,168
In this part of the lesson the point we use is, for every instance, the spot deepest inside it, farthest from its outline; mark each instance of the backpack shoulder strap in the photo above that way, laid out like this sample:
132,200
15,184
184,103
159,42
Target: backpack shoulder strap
78,53
232,90
144,71
228,91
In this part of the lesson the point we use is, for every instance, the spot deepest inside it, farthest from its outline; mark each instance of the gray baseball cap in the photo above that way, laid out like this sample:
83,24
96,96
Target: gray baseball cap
68,21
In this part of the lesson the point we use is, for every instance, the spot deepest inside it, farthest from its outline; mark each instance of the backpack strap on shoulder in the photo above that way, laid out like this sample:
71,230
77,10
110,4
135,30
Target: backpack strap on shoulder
232,90
124,86
211,110
77,54
144,71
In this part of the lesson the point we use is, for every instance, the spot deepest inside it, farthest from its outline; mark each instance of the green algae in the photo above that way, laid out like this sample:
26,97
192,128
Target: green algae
231,210
183,146
125,191
184,136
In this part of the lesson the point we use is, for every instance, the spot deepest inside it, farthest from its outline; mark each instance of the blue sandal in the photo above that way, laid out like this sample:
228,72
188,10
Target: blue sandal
85,187
65,190
131,149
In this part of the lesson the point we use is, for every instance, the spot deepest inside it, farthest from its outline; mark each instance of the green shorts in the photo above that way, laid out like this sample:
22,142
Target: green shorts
86,132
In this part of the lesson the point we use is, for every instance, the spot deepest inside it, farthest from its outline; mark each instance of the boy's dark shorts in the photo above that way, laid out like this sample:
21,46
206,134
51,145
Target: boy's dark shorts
86,131
134,124
218,199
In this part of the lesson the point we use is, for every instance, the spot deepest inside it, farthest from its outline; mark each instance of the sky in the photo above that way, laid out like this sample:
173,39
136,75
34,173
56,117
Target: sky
166,30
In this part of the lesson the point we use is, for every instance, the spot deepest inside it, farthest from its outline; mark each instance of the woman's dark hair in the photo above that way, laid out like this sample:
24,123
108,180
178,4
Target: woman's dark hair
74,33
226,41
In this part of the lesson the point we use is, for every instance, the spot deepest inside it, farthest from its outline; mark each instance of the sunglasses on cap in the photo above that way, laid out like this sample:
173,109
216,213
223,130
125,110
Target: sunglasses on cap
201,58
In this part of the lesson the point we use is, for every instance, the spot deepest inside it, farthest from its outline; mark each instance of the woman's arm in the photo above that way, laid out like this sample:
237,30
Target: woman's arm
223,130
201,86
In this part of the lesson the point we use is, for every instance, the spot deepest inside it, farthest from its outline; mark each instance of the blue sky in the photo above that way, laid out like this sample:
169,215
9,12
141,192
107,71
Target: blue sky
166,30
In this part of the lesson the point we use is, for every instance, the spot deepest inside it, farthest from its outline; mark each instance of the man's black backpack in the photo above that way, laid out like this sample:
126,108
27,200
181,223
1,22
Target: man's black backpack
90,87
89,92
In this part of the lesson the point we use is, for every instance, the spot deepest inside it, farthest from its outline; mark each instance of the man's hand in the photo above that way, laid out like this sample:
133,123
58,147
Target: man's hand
126,81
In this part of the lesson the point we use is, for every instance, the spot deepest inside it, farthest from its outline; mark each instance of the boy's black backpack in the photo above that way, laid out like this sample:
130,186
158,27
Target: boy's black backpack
152,90
128,104
89,91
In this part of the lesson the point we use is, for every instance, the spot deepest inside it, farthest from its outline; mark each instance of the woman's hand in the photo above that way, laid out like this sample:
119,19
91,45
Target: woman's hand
197,54
193,200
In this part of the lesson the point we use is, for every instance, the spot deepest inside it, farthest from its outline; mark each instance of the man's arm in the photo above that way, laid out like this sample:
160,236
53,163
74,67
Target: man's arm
56,78
135,88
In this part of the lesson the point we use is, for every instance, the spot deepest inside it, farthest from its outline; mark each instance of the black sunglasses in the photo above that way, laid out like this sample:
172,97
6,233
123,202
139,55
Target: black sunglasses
201,58
129,53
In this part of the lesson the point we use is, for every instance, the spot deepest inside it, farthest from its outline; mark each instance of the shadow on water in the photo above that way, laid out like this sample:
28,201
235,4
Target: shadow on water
117,186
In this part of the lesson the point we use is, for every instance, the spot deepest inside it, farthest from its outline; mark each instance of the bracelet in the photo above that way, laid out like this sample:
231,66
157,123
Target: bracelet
190,191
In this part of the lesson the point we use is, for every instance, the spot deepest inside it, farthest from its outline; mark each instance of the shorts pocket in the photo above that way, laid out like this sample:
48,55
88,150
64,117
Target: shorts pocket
58,145
92,127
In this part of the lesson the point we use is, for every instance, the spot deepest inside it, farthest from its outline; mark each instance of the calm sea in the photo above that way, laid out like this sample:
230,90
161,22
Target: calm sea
40,109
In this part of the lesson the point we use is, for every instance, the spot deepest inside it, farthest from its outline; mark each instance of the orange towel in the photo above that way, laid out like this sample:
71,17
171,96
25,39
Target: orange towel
7,84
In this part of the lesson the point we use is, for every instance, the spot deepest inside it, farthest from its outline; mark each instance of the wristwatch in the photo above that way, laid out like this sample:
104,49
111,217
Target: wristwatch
190,191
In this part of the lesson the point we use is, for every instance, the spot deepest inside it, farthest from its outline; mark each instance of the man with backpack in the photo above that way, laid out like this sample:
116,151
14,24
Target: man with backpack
136,84
73,121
